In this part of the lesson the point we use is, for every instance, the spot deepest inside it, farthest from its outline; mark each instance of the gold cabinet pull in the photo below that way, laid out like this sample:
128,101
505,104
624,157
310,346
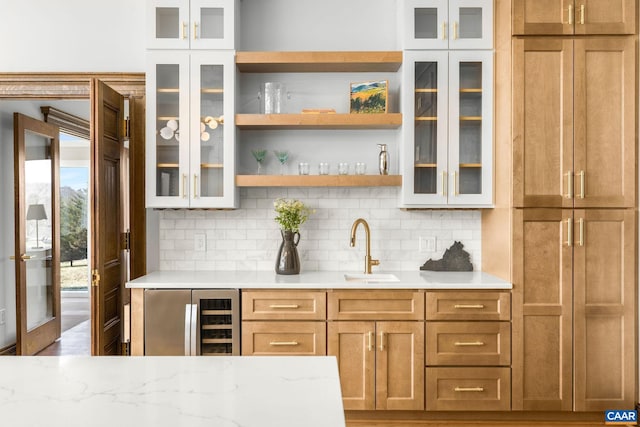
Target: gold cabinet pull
370,342
444,30
472,389
195,30
444,183
582,184
455,30
381,340
569,232
463,306
581,232
468,344
284,343
456,190
23,257
569,194
570,14
284,306
184,30
195,185
582,14
184,185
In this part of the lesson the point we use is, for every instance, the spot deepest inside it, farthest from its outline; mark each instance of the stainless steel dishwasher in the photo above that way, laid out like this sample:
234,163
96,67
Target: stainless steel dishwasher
191,322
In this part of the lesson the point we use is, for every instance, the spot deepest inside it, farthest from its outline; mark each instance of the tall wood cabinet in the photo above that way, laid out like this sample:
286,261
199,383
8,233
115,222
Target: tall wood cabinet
574,137
555,17
574,276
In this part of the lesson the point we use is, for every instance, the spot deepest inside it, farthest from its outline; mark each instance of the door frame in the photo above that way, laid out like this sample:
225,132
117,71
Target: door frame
70,86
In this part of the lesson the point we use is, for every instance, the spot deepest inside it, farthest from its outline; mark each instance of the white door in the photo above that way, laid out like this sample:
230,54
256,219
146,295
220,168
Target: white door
212,158
470,128
425,24
424,158
167,142
167,24
471,24
212,24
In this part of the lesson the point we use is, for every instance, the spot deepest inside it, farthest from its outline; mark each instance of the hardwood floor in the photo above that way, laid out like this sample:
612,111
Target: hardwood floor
74,342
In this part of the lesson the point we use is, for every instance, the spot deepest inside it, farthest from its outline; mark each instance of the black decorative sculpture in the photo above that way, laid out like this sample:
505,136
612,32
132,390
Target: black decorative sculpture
454,259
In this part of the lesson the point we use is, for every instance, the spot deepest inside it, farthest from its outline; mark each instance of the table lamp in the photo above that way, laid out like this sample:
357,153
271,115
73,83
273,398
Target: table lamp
36,212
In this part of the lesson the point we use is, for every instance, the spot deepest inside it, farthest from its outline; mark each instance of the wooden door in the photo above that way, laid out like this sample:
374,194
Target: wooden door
605,16
605,305
400,365
37,233
543,17
107,222
605,122
542,310
353,343
542,122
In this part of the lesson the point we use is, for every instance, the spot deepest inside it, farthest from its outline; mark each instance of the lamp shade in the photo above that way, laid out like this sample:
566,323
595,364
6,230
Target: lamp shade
36,211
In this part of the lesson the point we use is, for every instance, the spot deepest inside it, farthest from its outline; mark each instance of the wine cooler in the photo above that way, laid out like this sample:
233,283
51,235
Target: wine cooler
191,322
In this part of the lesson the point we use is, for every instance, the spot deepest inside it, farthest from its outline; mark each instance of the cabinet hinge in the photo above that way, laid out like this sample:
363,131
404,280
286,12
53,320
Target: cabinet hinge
95,278
126,128
125,241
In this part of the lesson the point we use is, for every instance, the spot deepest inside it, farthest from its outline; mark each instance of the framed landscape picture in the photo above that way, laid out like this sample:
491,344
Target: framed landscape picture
369,97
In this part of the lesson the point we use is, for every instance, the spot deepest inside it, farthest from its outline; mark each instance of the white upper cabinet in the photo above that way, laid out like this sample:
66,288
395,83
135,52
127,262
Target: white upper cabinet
190,149
191,24
447,157
442,24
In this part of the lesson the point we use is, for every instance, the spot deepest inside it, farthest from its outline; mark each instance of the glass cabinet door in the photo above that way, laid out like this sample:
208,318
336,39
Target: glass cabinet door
212,24
212,127
471,24
168,130
195,24
426,24
470,127
167,24
456,24
425,177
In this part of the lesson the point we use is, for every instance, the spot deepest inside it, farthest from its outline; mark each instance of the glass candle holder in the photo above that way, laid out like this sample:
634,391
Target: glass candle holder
303,168
323,168
343,168
361,168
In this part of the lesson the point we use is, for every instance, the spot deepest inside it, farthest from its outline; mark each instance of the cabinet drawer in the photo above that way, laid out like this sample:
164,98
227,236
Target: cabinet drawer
376,305
468,306
284,338
468,389
284,305
468,343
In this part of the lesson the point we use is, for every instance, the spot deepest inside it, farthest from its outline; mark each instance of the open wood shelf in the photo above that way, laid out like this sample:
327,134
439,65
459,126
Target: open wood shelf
318,62
319,121
318,180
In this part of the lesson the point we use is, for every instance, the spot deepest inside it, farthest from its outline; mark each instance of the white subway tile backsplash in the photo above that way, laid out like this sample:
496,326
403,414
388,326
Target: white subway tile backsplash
248,238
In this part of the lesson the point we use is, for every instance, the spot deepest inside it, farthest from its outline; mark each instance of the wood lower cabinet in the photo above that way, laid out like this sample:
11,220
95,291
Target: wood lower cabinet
557,17
284,339
468,351
468,389
291,323
574,138
574,276
380,363
378,339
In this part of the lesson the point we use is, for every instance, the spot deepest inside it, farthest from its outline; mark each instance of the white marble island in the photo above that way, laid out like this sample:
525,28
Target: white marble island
171,391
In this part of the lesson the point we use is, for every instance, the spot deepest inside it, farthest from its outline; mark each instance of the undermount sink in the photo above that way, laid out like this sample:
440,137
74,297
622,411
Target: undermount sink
370,278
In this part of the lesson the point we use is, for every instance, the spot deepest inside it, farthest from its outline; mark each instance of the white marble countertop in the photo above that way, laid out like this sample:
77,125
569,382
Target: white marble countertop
244,391
314,280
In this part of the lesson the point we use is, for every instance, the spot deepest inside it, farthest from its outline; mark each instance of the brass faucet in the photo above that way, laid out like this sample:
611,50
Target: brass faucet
368,261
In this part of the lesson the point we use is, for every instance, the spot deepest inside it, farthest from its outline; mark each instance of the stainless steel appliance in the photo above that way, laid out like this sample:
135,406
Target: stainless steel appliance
191,322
